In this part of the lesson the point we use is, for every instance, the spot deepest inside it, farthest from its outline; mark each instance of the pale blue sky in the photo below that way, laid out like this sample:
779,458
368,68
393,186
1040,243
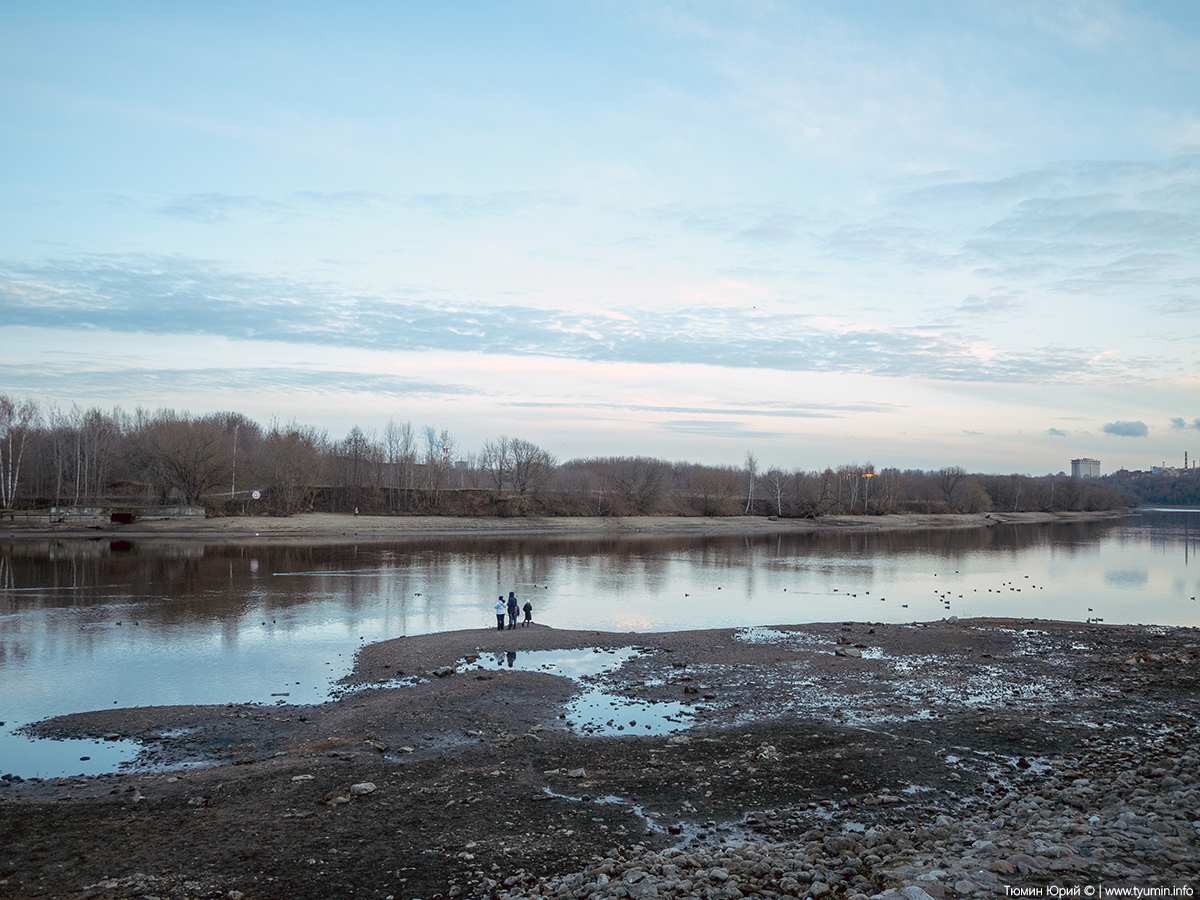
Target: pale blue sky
916,234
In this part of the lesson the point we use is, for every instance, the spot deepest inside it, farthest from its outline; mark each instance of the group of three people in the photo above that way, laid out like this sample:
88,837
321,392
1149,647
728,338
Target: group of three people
513,610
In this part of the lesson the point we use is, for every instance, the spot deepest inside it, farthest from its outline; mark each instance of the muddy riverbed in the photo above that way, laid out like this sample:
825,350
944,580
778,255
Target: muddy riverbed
836,759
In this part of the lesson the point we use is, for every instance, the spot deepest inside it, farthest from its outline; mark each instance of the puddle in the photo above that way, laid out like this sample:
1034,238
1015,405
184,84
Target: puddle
595,711
49,758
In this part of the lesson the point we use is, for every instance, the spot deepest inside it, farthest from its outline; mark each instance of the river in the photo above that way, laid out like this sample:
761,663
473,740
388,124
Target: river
87,624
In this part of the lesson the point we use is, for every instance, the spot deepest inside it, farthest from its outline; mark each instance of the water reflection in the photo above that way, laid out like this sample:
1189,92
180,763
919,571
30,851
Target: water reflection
597,710
88,624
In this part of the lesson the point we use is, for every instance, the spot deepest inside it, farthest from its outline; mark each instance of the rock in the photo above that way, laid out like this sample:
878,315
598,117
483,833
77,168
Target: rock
1024,864
577,773
364,787
912,892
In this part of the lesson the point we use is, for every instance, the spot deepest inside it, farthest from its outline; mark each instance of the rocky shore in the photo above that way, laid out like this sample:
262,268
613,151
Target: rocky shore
952,759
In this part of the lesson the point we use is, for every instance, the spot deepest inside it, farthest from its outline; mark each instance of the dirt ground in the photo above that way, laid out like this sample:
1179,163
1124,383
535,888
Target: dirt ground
332,525
439,774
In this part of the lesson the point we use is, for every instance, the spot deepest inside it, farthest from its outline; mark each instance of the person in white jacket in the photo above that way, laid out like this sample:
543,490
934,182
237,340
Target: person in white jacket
500,607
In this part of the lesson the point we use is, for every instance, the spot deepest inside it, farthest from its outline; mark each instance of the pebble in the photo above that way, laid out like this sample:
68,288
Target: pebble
1108,815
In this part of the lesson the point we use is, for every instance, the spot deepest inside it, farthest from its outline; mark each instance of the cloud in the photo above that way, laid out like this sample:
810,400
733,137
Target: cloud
1126,429
977,305
180,295
214,208
120,384
1055,432
719,428
1081,227
497,203
1180,423
749,222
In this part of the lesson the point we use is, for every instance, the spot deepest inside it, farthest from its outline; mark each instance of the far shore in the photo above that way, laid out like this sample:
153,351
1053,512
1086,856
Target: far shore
308,526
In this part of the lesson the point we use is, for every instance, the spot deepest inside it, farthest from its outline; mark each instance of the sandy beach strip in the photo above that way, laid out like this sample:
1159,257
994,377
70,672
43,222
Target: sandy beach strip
334,525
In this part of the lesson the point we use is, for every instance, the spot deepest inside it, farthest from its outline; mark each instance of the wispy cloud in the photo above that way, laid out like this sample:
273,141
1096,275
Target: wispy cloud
119,384
175,295
497,203
1179,423
214,208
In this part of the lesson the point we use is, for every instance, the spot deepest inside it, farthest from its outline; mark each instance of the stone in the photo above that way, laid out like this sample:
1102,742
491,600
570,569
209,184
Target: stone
364,787
1023,862
577,773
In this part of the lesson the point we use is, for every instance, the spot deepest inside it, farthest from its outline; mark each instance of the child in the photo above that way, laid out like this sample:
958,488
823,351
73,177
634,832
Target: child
528,607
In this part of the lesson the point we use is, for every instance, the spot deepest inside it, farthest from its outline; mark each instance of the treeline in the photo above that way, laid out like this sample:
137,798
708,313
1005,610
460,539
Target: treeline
233,465
1178,488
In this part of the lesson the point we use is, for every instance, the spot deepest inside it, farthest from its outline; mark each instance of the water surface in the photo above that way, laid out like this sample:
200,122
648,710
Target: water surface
87,624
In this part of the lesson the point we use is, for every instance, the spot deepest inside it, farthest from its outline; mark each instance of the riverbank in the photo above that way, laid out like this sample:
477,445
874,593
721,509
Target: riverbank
331,525
957,758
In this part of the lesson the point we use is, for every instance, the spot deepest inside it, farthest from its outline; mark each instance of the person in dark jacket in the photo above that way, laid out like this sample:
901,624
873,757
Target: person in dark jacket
514,610
528,607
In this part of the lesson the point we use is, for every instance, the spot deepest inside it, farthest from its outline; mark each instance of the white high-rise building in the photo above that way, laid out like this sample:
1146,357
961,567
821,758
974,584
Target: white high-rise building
1085,468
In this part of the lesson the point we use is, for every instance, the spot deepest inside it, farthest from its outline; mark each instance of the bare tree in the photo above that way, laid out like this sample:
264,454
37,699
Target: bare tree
193,454
948,479
751,478
82,444
440,450
531,466
496,460
357,468
636,483
717,489
777,480
401,452
18,421
815,492
293,460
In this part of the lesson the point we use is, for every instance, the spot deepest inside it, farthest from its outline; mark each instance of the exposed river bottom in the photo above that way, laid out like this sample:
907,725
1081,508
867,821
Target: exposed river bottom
970,758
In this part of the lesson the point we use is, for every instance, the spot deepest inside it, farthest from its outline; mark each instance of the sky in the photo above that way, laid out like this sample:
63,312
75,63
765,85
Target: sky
906,233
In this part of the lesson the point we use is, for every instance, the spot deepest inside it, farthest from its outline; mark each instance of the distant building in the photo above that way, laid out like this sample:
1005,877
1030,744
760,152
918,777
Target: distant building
1085,468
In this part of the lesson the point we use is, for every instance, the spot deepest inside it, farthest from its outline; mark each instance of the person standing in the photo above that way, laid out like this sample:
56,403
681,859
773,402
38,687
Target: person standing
514,610
499,607
528,607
